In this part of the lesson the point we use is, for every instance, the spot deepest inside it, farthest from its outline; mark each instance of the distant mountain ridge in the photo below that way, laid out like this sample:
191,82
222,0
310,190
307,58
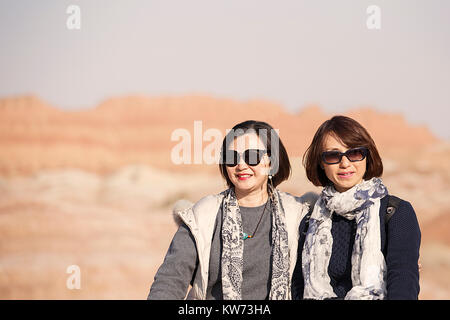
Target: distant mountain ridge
137,130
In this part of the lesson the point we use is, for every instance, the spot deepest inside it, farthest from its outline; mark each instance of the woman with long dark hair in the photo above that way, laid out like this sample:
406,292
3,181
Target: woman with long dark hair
241,243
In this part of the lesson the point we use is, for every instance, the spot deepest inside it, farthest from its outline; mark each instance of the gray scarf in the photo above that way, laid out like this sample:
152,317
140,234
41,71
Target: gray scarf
233,248
362,202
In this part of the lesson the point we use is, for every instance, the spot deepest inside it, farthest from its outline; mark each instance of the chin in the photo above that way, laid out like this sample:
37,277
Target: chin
243,187
246,186
346,185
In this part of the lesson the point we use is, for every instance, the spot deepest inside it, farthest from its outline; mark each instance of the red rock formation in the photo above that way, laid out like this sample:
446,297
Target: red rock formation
130,130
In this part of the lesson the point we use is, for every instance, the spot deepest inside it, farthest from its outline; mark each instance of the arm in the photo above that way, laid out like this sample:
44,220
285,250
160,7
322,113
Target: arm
175,274
403,244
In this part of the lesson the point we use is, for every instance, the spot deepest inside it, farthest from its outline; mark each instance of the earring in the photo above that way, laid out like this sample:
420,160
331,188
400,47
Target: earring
270,181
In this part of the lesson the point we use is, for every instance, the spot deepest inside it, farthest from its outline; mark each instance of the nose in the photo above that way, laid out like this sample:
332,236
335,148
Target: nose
242,165
344,162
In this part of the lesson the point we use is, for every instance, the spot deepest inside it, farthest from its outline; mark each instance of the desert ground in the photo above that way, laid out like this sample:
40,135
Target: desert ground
95,188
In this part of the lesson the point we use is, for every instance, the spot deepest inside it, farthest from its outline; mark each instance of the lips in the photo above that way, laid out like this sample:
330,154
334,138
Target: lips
243,176
346,175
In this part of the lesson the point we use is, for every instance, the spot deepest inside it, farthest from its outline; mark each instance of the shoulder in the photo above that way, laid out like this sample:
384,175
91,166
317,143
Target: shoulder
398,204
187,210
402,230
309,197
401,215
207,207
302,203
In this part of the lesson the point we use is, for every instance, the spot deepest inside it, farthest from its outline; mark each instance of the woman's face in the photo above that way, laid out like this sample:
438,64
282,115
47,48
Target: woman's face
345,174
246,178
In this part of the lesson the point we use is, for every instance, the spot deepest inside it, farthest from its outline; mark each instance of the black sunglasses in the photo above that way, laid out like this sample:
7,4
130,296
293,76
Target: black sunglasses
353,155
252,157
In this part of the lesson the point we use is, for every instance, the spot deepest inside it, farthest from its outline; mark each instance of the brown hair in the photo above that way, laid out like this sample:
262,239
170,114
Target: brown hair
351,134
279,160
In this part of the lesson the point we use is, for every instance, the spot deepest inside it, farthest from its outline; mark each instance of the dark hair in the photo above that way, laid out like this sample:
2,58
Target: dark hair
351,134
280,167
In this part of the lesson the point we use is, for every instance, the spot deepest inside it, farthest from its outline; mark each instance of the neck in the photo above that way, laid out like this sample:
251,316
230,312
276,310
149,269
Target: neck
252,198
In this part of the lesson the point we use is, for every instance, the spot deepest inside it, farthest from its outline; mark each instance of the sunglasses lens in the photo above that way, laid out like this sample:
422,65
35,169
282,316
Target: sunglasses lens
253,157
331,157
356,154
231,158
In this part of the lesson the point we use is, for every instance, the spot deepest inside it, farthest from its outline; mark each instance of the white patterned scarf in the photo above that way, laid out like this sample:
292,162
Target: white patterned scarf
233,248
362,202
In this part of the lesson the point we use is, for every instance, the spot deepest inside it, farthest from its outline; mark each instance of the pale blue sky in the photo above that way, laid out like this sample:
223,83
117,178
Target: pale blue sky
291,52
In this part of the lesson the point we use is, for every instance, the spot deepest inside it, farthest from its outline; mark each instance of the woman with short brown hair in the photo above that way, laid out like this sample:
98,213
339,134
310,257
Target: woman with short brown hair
350,248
